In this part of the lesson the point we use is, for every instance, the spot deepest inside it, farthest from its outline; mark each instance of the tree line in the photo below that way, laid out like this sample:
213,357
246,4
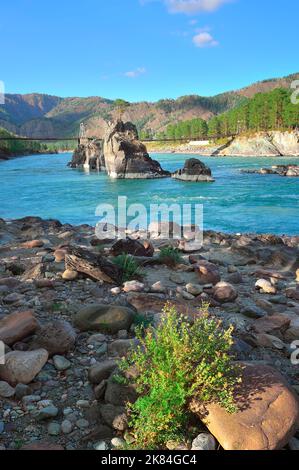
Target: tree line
264,112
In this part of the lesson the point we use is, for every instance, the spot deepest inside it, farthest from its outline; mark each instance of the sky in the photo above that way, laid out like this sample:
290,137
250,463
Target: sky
145,50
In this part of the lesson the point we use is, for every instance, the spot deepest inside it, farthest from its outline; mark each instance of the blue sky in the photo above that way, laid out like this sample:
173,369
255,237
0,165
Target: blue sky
145,49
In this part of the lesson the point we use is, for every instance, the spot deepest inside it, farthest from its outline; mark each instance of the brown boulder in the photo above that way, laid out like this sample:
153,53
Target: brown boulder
272,325
22,366
268,413
133,247
57,337
225,292
32,244
17,326
208,273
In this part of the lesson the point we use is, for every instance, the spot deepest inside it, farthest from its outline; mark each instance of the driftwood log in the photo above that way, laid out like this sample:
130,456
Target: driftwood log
92,265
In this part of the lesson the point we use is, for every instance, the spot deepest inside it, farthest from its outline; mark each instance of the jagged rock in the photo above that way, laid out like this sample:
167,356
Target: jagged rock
126,156
104,318
194,170
57,337
267,417
17,326
281,170
22,366
89,155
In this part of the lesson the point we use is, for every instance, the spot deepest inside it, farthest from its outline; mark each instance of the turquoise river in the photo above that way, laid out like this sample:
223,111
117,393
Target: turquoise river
43,185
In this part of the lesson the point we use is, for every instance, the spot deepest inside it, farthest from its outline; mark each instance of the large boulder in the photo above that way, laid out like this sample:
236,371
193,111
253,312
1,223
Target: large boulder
133,247
225,292
208,273
104,318
194,170
126,156
268,414
23,366
89,155
57,337
17,326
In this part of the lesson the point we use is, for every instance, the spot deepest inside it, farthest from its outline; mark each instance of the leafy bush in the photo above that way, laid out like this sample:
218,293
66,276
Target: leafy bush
130,267
170,256
177,362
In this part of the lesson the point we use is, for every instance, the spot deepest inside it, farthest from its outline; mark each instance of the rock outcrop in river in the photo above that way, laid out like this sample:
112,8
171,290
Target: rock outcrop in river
281,170
126,156
194,170
89,155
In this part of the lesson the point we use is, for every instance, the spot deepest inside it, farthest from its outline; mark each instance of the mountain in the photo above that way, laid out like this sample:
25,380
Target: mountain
38,115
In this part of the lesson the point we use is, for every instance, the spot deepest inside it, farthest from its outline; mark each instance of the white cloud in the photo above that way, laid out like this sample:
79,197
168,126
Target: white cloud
204,39
190,7
135,73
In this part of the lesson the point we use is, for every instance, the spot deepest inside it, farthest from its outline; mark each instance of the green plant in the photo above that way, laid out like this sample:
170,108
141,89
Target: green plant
143,321
175,363
170,256
130,268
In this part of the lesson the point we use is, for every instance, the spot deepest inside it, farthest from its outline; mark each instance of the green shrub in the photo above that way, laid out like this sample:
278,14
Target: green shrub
130,267
170,256
176,362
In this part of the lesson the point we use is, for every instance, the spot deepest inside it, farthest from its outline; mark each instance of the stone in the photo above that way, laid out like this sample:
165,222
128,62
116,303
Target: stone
224,293
272,325
297,275
82,423
6,391
194,289
235,278
292,333
17,326
126,156
104,318
88,155
267,417
292,294
61,363
133,286
252,311
208,273
294,444
195,171
114,416
101,371
44,283
118,442
32,244
265,287
269,341
54,429
142,248
69,275
115,290
96,339
119,394
176,279
22,390
204,441
23,367
57,337
158,287
66,426
47,413
59,255
13,298
121,347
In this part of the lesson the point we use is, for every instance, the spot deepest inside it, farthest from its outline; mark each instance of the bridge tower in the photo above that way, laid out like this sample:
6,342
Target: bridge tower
83,140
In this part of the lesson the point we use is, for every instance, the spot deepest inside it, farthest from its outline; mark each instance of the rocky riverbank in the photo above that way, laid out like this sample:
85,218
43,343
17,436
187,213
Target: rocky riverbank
66,318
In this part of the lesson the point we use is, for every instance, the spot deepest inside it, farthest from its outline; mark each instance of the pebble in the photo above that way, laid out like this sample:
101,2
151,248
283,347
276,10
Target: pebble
66,426
117,442
82,423
47,413
115,290
83,404
54,429
194,289
294,444
69,275
100,446
204,442
61,363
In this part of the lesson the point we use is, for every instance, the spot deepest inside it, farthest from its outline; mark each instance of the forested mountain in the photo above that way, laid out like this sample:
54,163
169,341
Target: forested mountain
37,115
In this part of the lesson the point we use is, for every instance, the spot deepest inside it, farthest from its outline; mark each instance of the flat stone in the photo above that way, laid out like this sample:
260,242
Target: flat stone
104,318
17,326
272,325
268,412
269,341
61,363
23,366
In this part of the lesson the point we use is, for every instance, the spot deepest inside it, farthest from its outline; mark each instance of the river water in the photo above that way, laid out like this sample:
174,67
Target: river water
44,186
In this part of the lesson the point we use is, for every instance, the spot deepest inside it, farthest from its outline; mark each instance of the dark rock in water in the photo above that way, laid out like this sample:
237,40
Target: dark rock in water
126,156
194,170
281,170
89,155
